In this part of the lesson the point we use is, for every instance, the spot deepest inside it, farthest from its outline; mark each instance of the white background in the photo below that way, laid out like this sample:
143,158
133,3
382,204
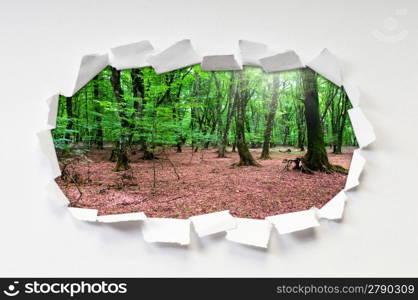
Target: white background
41,44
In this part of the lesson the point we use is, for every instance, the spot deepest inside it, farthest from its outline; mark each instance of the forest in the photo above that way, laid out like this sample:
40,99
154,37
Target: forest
189,142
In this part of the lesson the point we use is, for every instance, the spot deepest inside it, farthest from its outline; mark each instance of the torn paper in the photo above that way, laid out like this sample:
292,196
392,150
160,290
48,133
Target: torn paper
55,192
84,214
178,56
220,63
52,106
166,230
295,221
333,209
47,146
251,52
213,223
90,66
353,93
327,65
252,232
356,167
131,56
139,216
285,61
362,128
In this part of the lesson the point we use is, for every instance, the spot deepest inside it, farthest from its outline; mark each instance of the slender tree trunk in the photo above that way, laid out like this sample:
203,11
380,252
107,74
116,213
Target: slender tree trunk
343,118
246,159
138,91
265,154
70,116
98,118
229,114
122,162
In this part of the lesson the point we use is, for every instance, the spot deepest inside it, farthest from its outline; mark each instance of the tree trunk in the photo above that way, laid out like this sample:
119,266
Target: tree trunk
343,118
229,114
246,159
98,140
122,162
265,154
138,91
70,124
316,158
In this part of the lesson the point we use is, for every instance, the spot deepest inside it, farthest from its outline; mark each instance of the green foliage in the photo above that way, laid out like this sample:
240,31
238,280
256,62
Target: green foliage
190,106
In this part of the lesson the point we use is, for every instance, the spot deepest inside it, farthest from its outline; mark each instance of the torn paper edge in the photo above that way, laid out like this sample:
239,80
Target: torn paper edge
253,232
333,209
213,223
294,221
166,230
90,66
220,63
137,216
84,214
327,65
129,56
356,167
180,55
361,126
251,52
280,62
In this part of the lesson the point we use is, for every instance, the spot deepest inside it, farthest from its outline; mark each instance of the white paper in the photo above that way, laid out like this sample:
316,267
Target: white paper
166,230
333,209
55,192
252,232
90,66
356,167
220,63
47,146
295,221
139,216
84,214
178,56
362,128
327,65
213,223
52,106
131,56
251,52
353,93
285,61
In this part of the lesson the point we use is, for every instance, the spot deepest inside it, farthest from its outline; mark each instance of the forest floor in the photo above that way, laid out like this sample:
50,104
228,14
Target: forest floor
207,184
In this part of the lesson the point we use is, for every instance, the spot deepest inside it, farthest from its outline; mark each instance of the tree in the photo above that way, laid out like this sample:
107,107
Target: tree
316,158
243,96
138,93
224,132
271,114
122,161
70,116
338,121
97,113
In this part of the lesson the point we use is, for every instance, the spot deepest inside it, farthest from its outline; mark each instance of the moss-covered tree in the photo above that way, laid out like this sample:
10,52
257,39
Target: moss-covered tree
316,158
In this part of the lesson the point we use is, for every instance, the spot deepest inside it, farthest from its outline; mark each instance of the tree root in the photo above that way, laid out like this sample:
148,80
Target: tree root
245,164
300,164
339,169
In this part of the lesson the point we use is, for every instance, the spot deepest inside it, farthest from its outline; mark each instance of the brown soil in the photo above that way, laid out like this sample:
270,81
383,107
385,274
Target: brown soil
207,184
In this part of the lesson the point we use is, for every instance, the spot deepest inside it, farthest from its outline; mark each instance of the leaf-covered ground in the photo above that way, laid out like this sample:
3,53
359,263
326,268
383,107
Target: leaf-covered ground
207,184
